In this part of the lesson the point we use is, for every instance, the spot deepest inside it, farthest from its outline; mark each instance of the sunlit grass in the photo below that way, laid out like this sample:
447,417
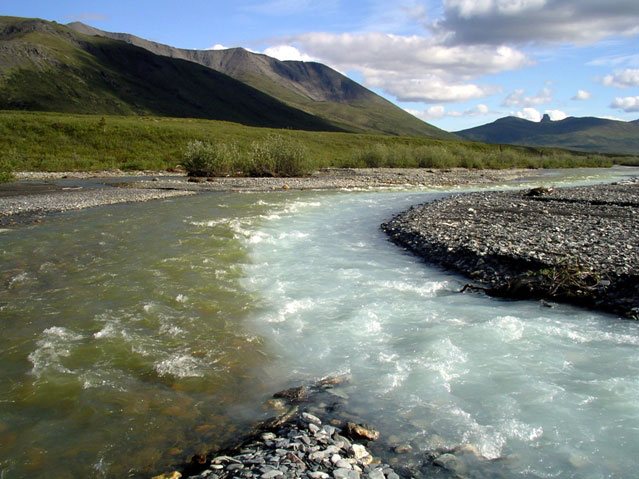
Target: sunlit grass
34,141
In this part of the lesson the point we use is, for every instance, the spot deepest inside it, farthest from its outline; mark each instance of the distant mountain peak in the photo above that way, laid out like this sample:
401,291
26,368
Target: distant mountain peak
574,133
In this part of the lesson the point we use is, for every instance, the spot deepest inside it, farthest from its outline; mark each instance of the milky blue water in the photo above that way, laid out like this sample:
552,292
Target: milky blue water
137,335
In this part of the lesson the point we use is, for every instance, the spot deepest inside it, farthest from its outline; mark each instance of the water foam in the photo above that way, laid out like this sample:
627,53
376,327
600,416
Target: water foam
180,365
55,345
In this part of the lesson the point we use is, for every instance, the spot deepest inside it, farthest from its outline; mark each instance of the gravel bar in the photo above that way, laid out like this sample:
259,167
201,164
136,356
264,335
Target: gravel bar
340,178
315,436
31,202
37,194
578,245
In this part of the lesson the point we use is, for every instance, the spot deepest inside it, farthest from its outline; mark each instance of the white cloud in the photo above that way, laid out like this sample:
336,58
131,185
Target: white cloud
433,113
413,68
556,115
539,21
427,89
622,78
582,95
529,114
218,46
518,98
288,52
628,104
438,111
479,110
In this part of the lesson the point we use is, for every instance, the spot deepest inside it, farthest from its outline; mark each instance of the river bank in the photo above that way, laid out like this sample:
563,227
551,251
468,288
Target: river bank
37,194
576,245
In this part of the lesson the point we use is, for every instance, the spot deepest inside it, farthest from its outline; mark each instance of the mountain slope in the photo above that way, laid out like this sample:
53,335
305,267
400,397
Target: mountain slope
311,87
49,67
585,133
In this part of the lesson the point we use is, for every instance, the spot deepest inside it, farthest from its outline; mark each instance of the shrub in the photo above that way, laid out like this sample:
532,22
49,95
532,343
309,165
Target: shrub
6,173
277,155
206,159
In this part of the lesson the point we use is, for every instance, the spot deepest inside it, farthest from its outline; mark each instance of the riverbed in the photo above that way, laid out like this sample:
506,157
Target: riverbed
137,335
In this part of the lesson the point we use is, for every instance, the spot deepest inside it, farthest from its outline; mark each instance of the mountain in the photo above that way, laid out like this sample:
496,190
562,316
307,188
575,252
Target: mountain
45,66
311,87
585,133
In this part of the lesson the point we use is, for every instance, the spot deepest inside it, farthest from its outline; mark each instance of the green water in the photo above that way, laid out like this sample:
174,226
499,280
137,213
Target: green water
124,346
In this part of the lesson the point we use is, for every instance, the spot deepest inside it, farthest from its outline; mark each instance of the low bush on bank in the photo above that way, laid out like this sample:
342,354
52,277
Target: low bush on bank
6,172
471,155
274,155
210,159
277,155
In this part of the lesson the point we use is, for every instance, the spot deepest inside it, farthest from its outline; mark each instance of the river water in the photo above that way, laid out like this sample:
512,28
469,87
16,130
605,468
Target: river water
134,336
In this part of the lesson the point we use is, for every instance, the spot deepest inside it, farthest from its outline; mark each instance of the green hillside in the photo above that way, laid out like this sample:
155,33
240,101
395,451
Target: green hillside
312,87
585,134
48,67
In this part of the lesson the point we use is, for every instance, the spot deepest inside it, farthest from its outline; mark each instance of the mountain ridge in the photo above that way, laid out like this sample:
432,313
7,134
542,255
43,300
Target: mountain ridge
309,86
592,134
46,66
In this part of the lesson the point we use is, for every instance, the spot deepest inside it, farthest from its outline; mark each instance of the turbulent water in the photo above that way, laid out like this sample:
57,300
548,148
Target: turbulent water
135,336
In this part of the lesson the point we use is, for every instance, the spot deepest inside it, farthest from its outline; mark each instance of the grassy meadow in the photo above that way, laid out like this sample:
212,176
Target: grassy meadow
35,141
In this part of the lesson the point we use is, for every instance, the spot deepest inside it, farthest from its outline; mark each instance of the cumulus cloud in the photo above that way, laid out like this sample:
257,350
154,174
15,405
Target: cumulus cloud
622,78
288,52
438,111
556,115
218,46
629,104
413,68
433,113
582,95
536,21
529,114
519,98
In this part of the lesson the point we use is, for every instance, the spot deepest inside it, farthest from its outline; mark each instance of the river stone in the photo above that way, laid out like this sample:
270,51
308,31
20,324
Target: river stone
376,474
363,431
168,475
451,463
310,418
361,454
345,474
272,474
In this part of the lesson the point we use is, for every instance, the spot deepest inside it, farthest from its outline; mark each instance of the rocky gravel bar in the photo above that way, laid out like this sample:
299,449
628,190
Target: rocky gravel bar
37,194
19,204
577,244
314,436
339,178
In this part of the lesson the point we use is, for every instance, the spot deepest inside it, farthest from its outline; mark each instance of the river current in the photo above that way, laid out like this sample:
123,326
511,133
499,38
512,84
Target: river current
134,336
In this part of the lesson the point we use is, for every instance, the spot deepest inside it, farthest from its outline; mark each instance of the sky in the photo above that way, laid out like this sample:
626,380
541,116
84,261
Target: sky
454,63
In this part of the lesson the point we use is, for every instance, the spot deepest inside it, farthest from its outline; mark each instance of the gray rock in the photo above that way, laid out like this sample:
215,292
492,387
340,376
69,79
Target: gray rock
451,463
272,474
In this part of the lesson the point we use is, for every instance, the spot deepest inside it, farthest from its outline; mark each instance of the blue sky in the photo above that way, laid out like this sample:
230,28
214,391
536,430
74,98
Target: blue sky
454,63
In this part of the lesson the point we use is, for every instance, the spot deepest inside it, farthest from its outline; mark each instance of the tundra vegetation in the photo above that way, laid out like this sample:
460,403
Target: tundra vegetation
36,141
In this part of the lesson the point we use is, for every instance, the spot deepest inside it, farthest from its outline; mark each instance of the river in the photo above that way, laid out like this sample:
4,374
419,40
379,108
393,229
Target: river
134,336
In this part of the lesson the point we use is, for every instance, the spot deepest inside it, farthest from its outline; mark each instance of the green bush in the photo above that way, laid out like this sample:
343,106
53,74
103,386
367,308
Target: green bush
277,155
6,173
207,159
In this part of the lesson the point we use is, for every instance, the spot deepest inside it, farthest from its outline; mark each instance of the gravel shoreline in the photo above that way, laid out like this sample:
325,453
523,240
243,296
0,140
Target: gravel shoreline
38,194
576,245
315,436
